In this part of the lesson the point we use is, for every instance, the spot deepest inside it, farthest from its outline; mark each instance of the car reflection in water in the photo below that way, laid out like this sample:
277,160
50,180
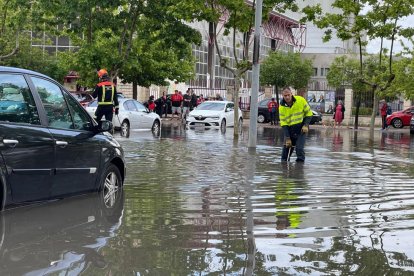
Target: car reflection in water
62,237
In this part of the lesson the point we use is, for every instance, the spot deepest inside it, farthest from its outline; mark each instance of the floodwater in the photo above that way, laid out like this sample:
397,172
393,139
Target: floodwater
198,203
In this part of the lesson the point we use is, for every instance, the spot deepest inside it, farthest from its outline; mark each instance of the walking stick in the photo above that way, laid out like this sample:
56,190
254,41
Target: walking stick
289,153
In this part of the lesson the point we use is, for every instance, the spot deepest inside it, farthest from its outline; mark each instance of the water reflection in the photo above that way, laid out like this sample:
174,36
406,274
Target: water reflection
60,237
197,202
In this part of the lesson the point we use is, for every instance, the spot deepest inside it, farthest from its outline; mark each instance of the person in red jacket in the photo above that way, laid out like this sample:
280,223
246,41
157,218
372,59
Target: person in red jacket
384,108
151,104
176,100
272,107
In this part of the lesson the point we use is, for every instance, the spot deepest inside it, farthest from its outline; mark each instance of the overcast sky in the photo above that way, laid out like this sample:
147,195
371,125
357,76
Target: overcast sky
374,45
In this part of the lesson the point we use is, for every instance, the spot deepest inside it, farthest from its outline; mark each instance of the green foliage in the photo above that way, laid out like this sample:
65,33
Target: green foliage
285,69
364,111
404,78
354,20
34,58
142,41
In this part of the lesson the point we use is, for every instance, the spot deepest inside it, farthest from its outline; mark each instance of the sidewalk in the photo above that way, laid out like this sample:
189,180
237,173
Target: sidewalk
246,123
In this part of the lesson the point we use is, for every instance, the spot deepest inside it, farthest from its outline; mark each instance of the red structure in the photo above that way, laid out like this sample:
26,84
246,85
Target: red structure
280,28
287,30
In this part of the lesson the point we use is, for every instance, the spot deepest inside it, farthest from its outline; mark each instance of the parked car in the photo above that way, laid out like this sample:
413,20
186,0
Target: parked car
132,115
50,147
213,114
263,115
400,119
83,98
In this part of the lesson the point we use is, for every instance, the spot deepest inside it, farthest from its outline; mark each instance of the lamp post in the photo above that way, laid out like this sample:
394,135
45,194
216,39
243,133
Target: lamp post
255,81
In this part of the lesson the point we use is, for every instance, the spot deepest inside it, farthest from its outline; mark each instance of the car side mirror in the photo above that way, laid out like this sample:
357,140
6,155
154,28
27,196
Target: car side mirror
104,126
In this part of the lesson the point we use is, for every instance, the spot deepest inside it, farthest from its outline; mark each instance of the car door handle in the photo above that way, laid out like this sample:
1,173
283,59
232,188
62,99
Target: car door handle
10,142
61,144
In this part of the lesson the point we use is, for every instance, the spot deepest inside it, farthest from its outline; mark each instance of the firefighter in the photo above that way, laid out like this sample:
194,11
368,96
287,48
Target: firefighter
295,115
105,90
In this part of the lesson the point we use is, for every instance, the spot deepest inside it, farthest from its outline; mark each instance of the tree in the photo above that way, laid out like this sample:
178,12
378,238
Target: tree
17,19
236,17
285,69
404,77
381,21
138,40
344,71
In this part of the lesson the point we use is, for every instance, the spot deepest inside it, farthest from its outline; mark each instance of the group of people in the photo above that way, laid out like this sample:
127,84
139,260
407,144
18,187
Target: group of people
180,104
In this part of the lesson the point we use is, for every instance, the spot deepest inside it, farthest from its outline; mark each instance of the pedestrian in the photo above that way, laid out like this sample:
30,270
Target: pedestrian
272,106
193,99
176,100
339,113
106,93
295,115
162,105
200,99
151,104
186,103
384,108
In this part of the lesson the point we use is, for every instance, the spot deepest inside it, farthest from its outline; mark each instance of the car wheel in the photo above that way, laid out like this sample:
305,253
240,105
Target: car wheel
125,129
156,127
111,186
223,124
261,118
397,123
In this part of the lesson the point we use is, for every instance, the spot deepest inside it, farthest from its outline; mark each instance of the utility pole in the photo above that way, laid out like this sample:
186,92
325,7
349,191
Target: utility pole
255,81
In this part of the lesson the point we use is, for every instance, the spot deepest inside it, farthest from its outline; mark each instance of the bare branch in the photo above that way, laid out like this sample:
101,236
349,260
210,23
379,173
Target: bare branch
234,41
222,63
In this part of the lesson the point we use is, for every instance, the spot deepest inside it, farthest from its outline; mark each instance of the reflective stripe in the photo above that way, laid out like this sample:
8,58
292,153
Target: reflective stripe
295,114
103,102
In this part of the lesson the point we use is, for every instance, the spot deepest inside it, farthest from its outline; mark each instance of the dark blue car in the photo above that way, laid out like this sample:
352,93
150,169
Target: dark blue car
50,147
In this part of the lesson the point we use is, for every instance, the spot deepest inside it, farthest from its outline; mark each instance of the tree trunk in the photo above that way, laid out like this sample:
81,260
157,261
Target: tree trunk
277,93
373,115
134,90
358,104
236,105
211,54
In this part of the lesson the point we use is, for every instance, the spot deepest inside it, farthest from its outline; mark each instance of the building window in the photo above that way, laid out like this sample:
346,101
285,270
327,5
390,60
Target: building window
324,71
315,72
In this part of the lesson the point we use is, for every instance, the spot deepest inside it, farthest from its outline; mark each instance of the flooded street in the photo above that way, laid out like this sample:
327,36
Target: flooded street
198,203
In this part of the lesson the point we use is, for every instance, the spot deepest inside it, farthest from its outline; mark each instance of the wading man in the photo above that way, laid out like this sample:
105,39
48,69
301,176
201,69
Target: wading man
295,116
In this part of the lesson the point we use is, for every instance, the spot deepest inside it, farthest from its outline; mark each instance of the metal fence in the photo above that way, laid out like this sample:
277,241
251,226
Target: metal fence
209,92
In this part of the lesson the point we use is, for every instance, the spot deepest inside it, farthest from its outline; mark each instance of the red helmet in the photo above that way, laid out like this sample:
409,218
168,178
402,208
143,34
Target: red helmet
102,72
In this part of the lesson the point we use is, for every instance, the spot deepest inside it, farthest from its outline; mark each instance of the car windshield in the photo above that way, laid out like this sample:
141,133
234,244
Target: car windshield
93,103
211,106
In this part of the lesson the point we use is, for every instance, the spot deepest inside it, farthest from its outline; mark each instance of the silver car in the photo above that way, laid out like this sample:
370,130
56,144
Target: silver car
133,115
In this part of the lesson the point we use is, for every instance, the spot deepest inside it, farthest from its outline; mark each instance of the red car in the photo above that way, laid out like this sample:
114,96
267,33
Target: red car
83,98
400,119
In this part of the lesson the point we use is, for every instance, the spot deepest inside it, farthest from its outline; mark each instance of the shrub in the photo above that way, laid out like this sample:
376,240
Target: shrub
362,111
